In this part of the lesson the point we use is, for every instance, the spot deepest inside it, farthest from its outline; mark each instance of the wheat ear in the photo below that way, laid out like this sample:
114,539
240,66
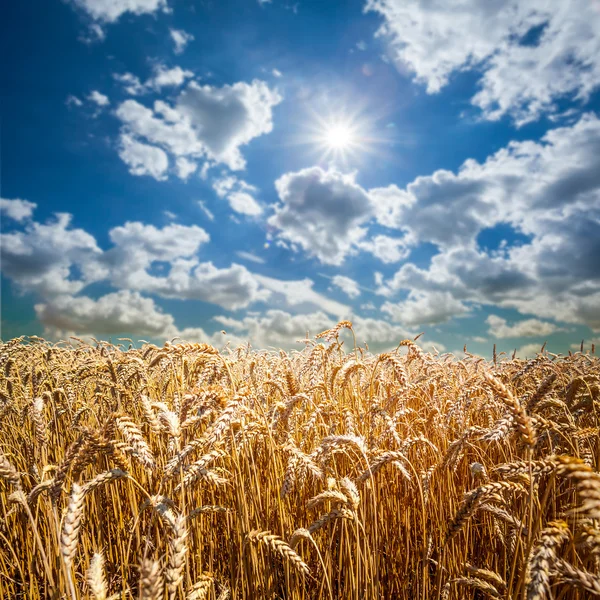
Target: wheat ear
276,544
543,558
95,577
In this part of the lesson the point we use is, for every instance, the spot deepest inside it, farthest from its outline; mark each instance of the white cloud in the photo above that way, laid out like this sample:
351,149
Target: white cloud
185,167
206,122
347,285
223,185
73,101
323,212
121,312
520,76
386,249
277,73
425,308
109,11
206,211
95,33
238,193
57,262
41,258
300,295
280,329
229,117
143,159
97,98
244,203
529,350
499,328
138,247
17,210
164,77
547,190
251,257
131,83
181,39
118,312
233,287
147,242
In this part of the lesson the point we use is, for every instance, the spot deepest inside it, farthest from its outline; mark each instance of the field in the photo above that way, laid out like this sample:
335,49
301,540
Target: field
187,472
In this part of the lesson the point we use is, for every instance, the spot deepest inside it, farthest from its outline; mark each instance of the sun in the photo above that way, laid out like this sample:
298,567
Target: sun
339,136
343,137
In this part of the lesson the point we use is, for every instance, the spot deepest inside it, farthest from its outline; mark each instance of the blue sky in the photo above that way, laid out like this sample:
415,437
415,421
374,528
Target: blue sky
183,168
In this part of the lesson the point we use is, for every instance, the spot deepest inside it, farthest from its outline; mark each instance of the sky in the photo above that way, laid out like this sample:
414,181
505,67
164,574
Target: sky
257,170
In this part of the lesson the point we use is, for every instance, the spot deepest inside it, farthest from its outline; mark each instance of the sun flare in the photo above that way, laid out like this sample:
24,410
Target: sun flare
343,138
339,137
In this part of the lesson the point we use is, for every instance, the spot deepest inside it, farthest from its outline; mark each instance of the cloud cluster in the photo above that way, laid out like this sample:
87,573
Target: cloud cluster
500,329
278,328
181,39
239,194
547,190
109,11
347,285
58,262
530,53
322,212
206,123
17,210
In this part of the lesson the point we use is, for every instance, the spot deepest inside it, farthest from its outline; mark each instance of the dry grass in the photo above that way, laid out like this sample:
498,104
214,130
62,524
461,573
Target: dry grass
185,473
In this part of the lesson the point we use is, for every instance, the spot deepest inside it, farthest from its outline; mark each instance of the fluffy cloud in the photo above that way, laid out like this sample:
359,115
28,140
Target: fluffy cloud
425,308
42,257
17,210
143,159
499,328
131,83
206,122
327,214
280,329
528,350
549,191
347,285
181,39
244,203
185,167
323,212
57,262
301,295
386,249
122,312
109,11
164,77
119,312
238,193
139,248
151,243
73,101
98,98
229,117
530,53
251,257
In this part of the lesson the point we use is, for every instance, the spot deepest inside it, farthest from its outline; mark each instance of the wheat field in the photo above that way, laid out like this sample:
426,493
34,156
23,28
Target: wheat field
184,472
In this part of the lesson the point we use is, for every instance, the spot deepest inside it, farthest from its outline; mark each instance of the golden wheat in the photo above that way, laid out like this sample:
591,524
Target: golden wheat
181,472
